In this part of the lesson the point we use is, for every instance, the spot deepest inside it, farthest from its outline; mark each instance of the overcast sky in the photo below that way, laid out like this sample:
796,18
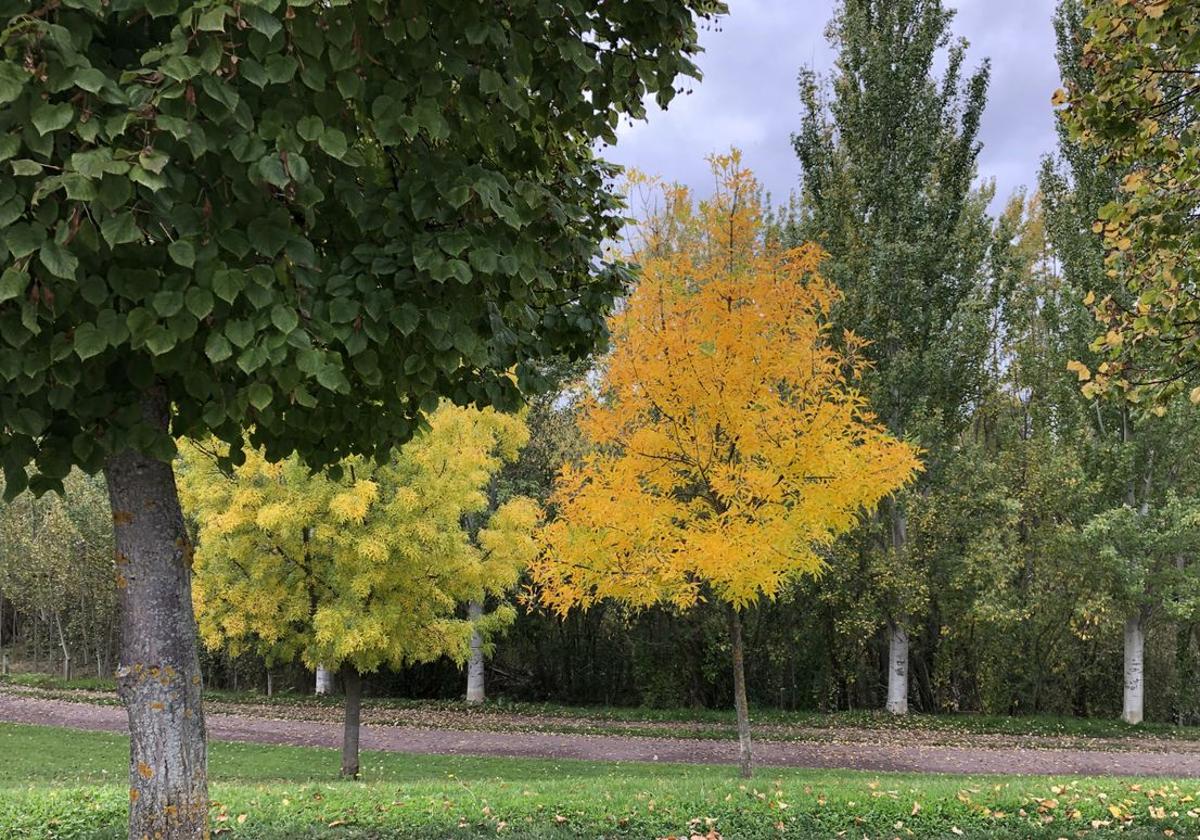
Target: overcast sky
748,96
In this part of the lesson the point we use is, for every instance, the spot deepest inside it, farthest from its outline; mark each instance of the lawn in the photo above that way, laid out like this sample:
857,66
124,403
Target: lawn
64,784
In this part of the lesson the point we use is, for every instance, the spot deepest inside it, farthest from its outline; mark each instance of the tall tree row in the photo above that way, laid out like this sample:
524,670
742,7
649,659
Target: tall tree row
888,153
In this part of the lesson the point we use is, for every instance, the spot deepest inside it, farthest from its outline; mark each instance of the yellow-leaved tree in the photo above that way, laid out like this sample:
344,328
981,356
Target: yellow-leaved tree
365,569
729,441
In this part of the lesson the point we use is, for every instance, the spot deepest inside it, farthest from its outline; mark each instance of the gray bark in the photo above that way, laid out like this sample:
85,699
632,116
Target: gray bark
897,702
1135,643
324,680
353,681
475,667
158,677
62,643
745,756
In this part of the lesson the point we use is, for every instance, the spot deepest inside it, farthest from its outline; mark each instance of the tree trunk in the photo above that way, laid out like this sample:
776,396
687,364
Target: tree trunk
475,673
745,758
353,681
1135,642
158,677
897,702
62,642
324,681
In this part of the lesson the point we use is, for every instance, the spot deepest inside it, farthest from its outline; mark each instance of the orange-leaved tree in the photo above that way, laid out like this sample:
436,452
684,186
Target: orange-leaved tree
729,442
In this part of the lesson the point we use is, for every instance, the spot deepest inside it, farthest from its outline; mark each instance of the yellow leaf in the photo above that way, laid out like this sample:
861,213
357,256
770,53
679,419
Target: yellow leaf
1080,370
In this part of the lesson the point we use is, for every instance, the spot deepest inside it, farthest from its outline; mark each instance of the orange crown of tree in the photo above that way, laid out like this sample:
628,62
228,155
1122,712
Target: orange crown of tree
730,443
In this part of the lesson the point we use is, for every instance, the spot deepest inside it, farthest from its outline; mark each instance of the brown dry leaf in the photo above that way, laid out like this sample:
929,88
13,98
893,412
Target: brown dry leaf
916,809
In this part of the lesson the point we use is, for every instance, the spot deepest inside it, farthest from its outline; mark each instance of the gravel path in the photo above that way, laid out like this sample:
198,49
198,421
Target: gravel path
899,754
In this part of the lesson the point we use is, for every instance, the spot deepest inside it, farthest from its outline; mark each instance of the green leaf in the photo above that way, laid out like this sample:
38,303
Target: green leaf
273,172
333,143
217,348
199,302
12,81
94,290
167,303
267,236
23,239
489,81
11,210
152,160
260,19
239,332
260,395
228,284
26,167
343,310
160,340
159,8
49,117
120,229
281,69
213,20
12,284
284,318
310,128
182,253
89,341
406,318
90,79
333,379
58,260
10,144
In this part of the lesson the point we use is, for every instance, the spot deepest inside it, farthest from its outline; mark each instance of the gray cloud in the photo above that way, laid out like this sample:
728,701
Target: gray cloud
748,96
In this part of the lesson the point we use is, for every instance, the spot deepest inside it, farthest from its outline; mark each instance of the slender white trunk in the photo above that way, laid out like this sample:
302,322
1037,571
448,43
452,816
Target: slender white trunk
324,680
475,672
1135,643
62,643
897,702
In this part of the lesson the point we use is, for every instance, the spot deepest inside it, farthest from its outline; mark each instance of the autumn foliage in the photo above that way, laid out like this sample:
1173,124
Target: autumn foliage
368,569
730,442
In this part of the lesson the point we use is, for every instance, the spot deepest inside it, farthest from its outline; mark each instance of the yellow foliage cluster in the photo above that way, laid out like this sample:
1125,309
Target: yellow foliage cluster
366,570
729,440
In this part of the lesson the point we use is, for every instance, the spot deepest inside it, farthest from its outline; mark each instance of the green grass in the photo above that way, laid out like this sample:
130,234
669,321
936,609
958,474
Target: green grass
700,723
63,784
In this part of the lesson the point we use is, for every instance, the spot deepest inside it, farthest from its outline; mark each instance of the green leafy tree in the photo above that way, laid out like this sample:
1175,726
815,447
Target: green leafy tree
1135,108
56,563
888,153
362,571
302,223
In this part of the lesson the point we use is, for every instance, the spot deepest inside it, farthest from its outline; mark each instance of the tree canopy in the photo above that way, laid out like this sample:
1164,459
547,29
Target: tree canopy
311,220
368,569
1135,108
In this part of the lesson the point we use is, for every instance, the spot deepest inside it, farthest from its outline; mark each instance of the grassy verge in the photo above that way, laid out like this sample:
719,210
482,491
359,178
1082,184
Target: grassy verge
506,715
60,785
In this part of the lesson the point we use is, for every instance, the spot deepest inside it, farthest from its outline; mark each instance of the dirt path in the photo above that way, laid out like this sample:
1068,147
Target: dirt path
877,756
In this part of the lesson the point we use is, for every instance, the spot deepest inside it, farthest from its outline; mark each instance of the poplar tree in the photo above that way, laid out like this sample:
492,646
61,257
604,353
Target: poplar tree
888,153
